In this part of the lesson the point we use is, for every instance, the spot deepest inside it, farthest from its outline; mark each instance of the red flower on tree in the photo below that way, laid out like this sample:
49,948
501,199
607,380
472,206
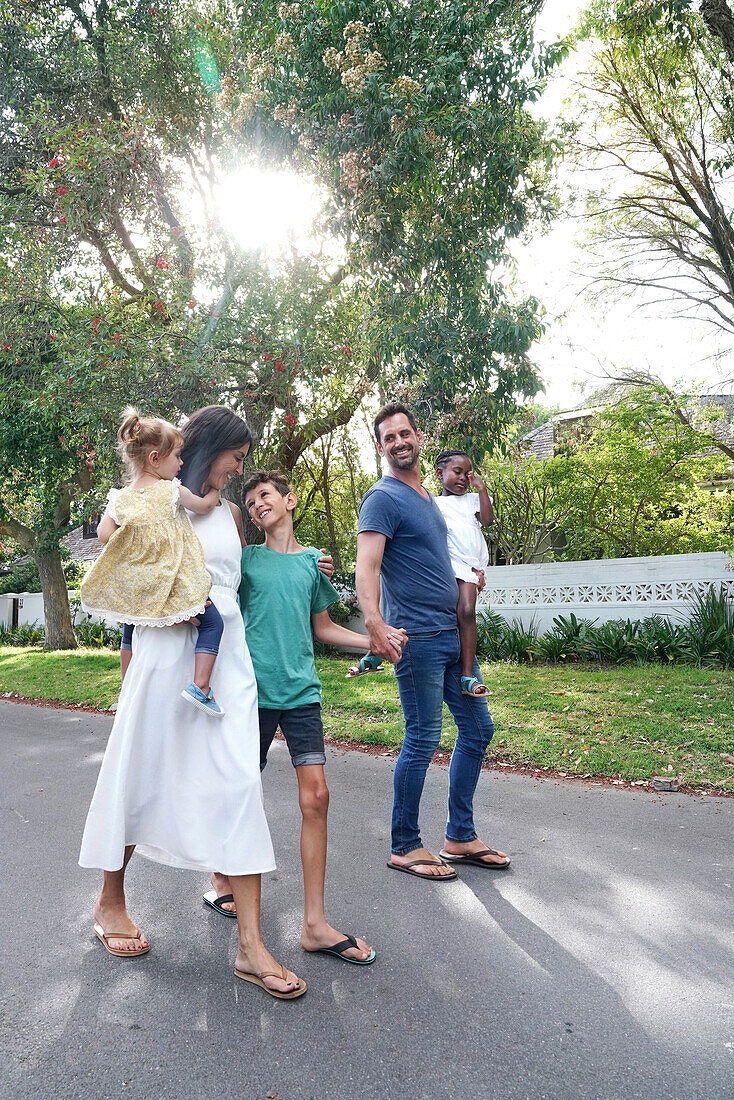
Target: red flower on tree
290,420
63,190
267,357
279,365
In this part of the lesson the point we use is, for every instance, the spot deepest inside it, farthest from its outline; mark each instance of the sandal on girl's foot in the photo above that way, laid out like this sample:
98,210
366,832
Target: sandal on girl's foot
257,979
194,695
105,937
368,663
469,683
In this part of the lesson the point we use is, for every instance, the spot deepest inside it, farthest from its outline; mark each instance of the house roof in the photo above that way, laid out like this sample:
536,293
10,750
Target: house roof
541,440
82,549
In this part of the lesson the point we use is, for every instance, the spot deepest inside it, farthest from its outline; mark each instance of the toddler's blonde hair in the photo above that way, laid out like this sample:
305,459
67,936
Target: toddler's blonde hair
138,436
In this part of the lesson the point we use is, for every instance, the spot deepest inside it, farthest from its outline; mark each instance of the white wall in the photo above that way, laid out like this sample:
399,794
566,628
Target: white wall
31,610
612,588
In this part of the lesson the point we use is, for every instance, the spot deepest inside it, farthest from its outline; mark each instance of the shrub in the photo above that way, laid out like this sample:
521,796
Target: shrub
707,638
565,641
94,635
491,636
520,641
25,635
710,630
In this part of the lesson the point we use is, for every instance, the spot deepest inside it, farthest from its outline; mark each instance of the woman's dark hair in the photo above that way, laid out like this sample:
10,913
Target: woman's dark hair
445,457
206,434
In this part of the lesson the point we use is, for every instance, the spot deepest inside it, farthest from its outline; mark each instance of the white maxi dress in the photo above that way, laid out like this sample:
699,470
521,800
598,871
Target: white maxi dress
182,786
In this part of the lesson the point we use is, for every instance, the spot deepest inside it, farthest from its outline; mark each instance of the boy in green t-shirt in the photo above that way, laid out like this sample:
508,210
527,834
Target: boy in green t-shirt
284,600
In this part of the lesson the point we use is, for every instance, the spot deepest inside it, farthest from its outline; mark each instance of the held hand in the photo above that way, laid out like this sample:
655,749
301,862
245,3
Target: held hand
387,642
476,480
326,565
481,583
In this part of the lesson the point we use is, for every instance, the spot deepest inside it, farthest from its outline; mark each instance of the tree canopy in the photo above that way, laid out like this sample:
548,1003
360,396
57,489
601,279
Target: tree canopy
122,279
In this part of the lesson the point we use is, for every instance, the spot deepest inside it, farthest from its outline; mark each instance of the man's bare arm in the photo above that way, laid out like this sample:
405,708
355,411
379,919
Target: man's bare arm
370,548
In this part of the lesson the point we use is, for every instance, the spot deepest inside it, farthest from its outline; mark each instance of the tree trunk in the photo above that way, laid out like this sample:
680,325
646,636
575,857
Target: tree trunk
59,628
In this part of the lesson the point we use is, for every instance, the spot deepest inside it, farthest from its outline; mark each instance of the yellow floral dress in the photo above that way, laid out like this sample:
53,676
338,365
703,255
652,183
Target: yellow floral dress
152,571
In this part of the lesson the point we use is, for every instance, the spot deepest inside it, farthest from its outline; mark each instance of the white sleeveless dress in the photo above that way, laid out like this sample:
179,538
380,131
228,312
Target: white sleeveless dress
183,787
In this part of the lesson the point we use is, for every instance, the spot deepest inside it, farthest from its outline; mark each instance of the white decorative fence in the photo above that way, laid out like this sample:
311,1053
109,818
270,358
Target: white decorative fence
612,588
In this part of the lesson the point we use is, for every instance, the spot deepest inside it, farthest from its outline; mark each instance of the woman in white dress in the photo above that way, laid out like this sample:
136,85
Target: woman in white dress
171,786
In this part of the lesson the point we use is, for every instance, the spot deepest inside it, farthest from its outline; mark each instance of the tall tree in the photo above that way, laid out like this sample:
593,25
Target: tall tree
655,114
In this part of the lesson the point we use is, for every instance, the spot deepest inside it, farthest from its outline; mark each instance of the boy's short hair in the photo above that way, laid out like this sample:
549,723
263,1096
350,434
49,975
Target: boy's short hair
393,408
445,457
272,477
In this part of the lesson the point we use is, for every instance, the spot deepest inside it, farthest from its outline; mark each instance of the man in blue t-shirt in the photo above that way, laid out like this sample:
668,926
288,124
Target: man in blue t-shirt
401,543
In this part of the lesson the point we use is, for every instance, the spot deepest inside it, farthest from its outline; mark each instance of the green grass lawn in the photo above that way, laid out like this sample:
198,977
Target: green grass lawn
631,722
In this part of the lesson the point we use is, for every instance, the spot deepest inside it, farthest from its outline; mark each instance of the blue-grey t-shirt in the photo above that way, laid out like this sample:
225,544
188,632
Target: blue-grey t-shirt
419,588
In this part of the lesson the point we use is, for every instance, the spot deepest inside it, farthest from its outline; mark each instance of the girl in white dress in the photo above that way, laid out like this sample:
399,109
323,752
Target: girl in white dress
465,514
165,787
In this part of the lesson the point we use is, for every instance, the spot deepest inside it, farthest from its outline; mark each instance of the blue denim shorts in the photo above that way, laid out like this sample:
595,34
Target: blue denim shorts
302,729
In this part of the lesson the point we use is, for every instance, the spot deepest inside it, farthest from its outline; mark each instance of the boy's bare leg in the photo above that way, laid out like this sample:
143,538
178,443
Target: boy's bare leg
313,797
252,955
110,911
466,612
203,665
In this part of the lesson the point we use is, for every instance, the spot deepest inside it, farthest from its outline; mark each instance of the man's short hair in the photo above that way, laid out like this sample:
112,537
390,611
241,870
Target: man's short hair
272,477
445,457
393,408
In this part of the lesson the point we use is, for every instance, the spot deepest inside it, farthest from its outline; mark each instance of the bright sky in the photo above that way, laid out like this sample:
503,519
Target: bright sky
585,340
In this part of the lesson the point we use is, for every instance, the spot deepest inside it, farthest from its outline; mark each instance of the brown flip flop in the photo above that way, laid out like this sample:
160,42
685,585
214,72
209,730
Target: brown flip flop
406,869
257,979
474,859
105,936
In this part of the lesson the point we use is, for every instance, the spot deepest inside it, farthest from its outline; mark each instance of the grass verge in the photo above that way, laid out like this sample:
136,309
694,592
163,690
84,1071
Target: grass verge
631,722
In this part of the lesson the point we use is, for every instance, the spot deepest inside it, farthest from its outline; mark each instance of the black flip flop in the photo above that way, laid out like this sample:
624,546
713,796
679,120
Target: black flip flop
474,859
405,868
337,950
216,903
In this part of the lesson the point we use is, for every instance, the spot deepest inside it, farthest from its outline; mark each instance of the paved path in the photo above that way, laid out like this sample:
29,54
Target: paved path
601,965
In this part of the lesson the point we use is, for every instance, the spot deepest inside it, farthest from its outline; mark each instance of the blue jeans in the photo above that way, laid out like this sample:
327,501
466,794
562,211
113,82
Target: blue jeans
429,673
209,632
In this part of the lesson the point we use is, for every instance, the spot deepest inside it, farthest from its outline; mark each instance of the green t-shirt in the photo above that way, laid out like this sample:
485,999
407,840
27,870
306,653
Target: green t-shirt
278,595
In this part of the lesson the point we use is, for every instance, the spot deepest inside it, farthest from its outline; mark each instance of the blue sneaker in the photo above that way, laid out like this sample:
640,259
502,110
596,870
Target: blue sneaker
194,695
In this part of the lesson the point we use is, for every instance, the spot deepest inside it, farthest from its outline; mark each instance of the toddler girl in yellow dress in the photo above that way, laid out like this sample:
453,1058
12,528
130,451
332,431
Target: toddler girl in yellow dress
151,571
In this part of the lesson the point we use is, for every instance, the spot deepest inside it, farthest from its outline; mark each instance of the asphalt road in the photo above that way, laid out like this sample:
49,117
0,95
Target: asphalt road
600,965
